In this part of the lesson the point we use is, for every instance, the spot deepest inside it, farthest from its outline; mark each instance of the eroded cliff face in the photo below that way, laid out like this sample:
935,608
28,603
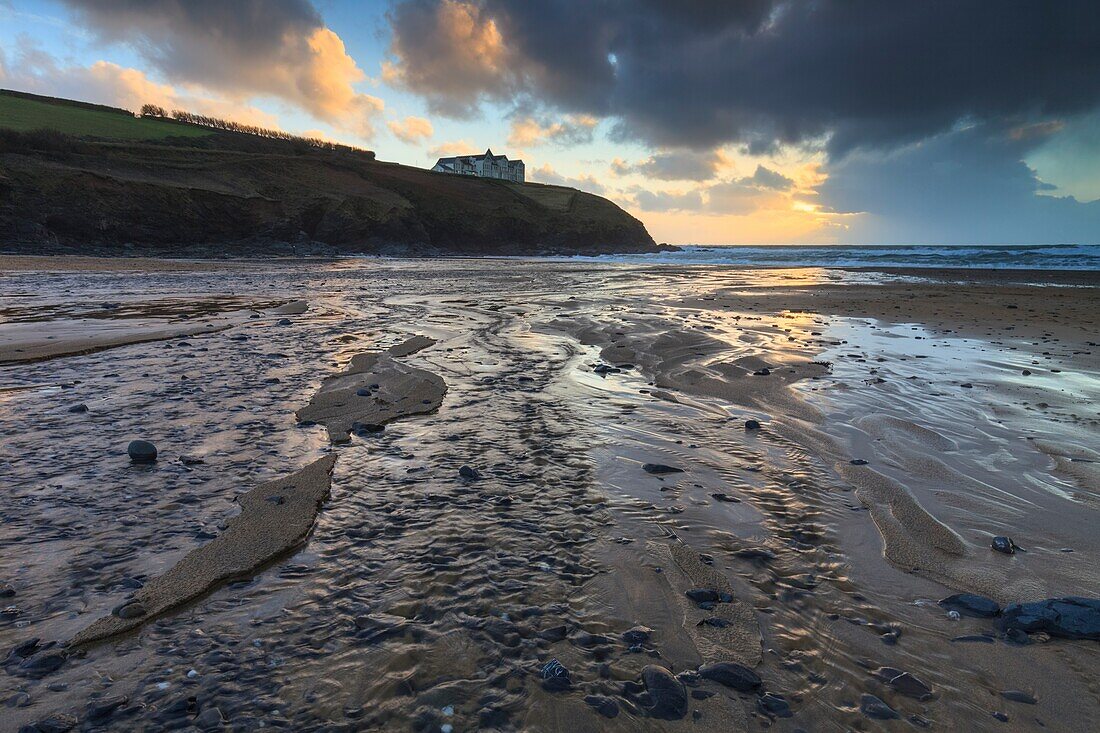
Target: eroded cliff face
118,198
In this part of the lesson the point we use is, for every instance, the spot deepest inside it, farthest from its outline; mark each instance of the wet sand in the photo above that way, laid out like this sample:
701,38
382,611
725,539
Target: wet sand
898,433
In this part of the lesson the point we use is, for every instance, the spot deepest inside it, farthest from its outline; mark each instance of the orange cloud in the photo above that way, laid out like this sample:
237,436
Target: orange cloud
323,84
467,55
452,147
411,129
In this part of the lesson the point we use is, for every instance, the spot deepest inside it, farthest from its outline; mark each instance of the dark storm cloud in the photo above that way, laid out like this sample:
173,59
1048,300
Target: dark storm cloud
664,201
864,73
676,165
964,187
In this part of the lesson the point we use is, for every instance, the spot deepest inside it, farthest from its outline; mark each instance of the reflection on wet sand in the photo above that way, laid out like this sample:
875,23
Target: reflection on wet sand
466,550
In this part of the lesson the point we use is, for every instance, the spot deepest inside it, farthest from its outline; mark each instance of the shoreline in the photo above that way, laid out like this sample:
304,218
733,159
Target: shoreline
138,263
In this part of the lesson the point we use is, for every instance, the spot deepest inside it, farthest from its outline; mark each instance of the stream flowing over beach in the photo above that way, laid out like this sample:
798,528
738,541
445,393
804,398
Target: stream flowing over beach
462,494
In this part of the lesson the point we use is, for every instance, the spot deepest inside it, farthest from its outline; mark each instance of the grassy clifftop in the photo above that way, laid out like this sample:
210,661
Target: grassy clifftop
28,112
130,186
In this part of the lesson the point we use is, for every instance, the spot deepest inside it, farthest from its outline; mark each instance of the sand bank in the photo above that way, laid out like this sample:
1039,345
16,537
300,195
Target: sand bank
275,518
374,389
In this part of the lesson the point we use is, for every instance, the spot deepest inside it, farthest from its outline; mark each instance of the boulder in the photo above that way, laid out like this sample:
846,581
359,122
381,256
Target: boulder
667,695
1072,617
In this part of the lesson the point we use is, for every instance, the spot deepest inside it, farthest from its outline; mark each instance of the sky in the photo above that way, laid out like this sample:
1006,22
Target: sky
712,121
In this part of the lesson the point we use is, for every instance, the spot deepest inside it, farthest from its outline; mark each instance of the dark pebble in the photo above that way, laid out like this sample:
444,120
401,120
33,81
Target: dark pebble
554,633
100,710
210,719
910,686
587,641
1000,716
605,706
18,700
1018,696
81,408
59,723
660,468
773,705
858,462
282,322
668,698
1004,544
755,554
876,709
42,664
969,604
130,609
469,473
702,595
637,635
24,648
731,674
142,451
557,684
752,425
7,591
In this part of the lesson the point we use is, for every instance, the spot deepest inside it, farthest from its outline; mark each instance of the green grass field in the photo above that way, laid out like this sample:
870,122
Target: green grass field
27,114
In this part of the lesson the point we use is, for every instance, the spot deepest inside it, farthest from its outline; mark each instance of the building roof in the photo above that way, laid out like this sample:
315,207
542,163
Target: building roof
487,154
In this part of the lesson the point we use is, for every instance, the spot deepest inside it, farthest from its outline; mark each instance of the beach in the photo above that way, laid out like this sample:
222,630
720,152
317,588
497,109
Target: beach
390,493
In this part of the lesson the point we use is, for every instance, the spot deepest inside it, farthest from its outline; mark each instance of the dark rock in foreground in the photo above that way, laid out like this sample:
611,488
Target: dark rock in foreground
667,697
969,604
605,706
773,705
904,682
658,469
142,451
555,677
1019,696
731,674
876,709
1072,617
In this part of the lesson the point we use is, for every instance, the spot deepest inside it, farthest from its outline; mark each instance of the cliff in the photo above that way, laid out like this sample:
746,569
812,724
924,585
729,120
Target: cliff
231,194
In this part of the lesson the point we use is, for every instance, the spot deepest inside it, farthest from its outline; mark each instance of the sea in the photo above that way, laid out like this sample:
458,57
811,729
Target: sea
1013,257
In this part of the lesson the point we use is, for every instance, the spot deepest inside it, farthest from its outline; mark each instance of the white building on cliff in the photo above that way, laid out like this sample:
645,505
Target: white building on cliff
484,166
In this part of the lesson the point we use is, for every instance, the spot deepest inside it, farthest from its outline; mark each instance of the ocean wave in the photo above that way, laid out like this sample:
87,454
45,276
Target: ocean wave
1016,257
